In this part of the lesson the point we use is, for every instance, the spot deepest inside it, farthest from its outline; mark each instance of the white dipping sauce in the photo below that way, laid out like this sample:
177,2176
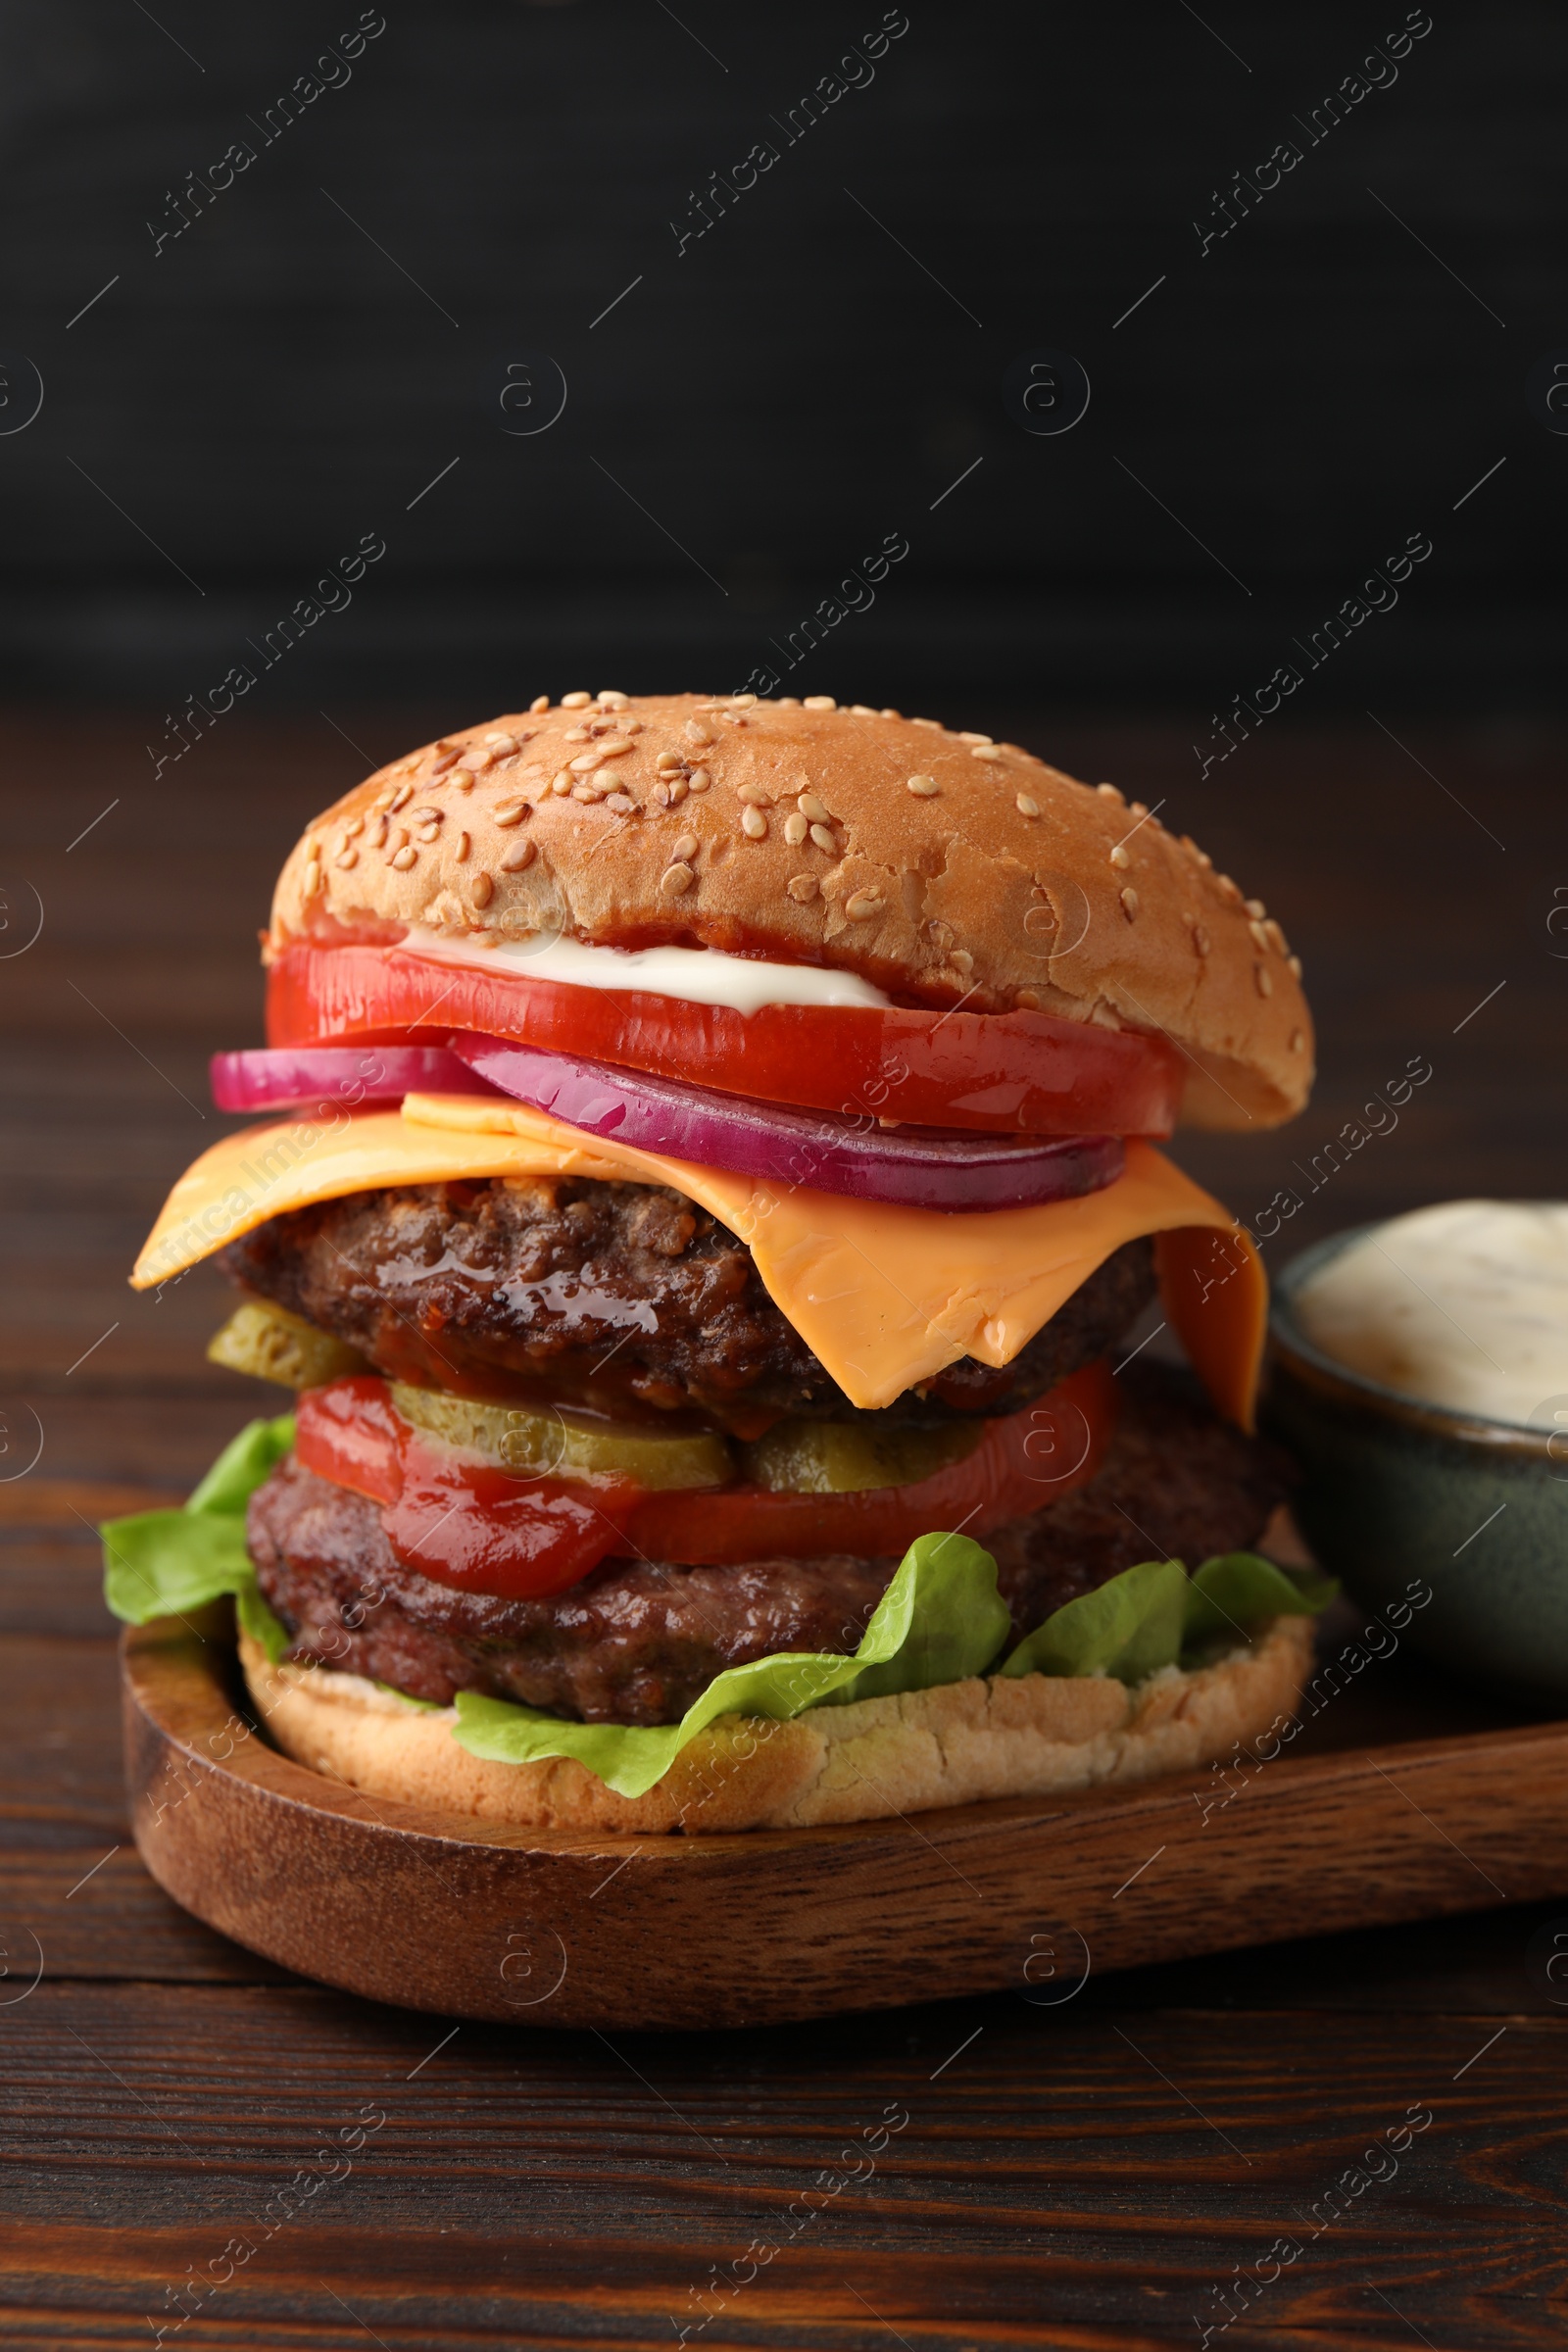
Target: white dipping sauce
1463,1306
698,975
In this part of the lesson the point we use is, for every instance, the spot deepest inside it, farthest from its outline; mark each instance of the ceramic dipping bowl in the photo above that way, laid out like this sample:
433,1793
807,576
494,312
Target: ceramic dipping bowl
1396,1493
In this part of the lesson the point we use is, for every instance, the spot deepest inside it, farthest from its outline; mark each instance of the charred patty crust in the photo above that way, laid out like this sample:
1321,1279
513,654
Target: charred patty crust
636,1641
612,1295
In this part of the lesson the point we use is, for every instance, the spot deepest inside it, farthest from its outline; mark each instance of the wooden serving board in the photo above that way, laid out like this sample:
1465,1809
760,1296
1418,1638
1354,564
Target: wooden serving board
1402,1798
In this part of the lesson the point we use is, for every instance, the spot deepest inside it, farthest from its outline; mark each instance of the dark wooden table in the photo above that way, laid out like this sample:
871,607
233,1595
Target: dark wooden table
1096,2171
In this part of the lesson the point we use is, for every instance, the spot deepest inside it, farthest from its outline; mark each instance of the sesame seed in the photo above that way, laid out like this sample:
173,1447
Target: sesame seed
1229,890
356,824
863,903
795,829
929,722
889,713
1256,909
788,702
584,761
810,806
612,699
576,735
1137,808
379,832
428,833
754,824
678,789
437,767
1295,967
517,856
509,814
1276,937
1297,1041
481,888
685,848
986,751
924,788
743,702
1200,939
561,784
961,960
541,702
818,701
403,858
631,726
575,701
1026,807
425,817
502,745
1265,983
862,710
801,888
1027,1000
1259,935
757,795
463,779
461,848
403,794
345,857
676,880
1129,903
695,731
312,877
660,794
968,735
668,760
698,780
823,837
587,792
1108,792
615,746
1120,857
476,758
621,803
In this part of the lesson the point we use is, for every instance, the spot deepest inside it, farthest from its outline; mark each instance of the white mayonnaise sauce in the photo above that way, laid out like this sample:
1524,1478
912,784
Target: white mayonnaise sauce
699,975
1463,1306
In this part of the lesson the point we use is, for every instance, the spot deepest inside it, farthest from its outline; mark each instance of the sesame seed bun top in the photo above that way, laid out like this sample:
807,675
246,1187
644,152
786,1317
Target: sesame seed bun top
942,867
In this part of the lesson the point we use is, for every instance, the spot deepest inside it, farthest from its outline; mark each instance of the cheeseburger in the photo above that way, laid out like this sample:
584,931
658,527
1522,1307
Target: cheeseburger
707,1183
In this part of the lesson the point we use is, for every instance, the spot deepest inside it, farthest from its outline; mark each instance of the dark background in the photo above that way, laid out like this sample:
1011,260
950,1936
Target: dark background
240,406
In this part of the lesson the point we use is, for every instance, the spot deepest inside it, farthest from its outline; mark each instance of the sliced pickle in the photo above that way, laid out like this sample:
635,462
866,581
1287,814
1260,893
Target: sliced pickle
843,1457
270,1343
551,1443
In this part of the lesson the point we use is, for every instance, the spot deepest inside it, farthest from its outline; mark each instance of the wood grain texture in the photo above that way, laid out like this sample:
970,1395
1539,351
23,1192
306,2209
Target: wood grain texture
1054,2186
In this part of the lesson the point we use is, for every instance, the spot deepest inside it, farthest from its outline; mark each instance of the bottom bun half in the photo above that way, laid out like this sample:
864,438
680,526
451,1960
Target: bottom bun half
1033,1736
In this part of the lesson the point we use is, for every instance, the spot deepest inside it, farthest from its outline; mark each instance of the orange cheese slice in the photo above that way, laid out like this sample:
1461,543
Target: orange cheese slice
884,1297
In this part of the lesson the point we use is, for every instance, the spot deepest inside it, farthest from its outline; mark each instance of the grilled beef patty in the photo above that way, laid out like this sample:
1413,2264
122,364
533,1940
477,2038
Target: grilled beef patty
619,1296
636,1641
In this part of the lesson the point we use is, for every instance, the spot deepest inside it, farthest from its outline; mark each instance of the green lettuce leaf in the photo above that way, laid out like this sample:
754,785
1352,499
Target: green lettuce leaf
1236,1589
1155,1614
1126,1627
164,1563
940,1619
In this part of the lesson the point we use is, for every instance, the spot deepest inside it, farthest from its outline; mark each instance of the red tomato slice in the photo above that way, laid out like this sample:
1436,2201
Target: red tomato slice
456,1519
464,1523
993,1071
1029,1459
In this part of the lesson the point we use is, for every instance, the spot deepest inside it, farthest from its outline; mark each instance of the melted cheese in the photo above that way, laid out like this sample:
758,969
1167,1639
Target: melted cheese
884,1297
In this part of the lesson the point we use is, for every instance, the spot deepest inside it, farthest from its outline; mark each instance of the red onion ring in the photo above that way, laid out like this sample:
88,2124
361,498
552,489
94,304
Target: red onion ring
912,1166
270,1077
